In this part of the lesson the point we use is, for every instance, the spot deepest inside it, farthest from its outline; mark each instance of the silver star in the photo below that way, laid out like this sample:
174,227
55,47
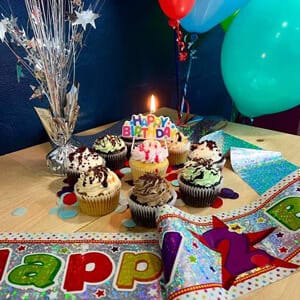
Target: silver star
85,17
3,28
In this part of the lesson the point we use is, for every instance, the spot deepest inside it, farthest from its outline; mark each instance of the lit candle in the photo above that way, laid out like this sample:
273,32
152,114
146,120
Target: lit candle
152,104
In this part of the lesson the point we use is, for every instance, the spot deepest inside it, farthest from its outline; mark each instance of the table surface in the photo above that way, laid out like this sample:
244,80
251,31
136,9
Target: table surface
26,182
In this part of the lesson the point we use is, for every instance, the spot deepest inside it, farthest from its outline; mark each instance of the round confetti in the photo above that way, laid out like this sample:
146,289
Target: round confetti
217,203
128,223
228,193
19,211
69,199
125,171
67,213
175,183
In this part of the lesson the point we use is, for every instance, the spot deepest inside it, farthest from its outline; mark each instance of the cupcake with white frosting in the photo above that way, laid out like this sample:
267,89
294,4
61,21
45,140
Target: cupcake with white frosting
83,159
98,191
178,148
208,150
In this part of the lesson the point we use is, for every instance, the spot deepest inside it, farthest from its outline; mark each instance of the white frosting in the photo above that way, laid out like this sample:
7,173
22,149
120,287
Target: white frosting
150,151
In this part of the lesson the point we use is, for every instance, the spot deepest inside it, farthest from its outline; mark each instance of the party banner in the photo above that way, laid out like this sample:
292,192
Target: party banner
80,266
235,252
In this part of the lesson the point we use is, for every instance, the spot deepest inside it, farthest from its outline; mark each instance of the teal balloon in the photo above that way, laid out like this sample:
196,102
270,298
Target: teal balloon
260,57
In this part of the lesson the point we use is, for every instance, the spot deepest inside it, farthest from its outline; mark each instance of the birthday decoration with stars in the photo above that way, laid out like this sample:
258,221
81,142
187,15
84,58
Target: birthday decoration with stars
232,253
80,266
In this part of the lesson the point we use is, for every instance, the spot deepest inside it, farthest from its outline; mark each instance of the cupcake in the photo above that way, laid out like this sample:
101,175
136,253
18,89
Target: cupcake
131,143
113,149
178,149
81,160
149,192
199,183
98,191
208,150
148,157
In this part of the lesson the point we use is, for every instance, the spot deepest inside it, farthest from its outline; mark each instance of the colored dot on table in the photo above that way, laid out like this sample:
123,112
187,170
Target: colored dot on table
20,211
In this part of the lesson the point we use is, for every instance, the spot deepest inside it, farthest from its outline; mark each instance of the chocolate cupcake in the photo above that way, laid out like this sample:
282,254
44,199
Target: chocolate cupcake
199,183
113,149
149,192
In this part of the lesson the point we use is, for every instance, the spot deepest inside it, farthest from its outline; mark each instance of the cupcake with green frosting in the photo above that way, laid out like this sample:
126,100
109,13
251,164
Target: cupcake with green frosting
113,149
199,183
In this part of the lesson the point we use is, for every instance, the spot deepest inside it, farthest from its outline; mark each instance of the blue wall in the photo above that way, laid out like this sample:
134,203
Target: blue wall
128,57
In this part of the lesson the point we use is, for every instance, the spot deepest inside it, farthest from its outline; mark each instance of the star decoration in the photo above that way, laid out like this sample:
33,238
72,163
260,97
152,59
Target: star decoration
64,250
238,254
260,220
85,17
195,245
283,250
114,249
193,258
235,227
279,234
3,28
100,293
21,248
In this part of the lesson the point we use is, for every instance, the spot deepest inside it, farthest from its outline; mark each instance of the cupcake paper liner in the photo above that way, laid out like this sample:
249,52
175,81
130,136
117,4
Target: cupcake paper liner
98,205
139,168
115,161
198,196
144,215
177,158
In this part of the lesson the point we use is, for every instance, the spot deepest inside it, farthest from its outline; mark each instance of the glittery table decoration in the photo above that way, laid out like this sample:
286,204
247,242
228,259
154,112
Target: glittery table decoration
225,141
230,254
259,168
80,266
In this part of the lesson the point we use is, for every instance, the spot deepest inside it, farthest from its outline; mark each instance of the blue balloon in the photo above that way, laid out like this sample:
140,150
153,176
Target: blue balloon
260,57
206,14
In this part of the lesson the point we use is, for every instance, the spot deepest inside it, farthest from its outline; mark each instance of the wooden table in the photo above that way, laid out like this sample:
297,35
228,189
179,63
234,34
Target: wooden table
25,182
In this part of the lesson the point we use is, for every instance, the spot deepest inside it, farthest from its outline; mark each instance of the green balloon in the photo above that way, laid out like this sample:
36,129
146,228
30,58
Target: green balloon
227,22
260,57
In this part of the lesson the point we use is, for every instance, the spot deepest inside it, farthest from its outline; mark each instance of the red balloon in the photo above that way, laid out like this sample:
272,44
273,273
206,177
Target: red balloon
176,9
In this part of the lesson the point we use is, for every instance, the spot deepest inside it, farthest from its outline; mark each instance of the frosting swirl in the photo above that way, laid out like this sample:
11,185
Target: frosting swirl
152,190
207,149
83,159
200,174
180,143
97,181
109,144
150,151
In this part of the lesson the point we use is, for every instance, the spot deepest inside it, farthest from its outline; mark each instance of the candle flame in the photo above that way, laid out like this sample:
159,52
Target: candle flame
152,104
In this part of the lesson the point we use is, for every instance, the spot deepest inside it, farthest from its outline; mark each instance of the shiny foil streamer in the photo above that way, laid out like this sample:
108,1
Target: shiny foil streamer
62,246
194,271
259,168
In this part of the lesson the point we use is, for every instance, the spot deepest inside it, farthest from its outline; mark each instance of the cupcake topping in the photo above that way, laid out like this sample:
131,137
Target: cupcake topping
109,144
150,151
207,150
97,181
180,143
83,159
199,174
152,190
